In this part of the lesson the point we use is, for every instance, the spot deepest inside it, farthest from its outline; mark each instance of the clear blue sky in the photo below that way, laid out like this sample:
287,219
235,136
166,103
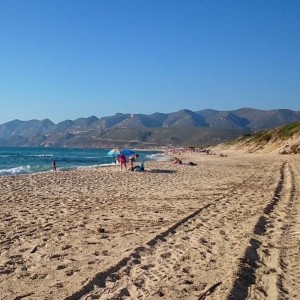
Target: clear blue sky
65,59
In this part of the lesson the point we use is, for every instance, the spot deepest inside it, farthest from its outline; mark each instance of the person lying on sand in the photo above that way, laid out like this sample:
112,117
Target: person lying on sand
177,161
191,164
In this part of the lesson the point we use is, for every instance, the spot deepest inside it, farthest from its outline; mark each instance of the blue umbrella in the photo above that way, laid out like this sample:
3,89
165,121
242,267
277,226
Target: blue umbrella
127,152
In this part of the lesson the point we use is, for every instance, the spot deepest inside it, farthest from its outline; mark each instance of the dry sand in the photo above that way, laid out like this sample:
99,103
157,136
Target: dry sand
228,228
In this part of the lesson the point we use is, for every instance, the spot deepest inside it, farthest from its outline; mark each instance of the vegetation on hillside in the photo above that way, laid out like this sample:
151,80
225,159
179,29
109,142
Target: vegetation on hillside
289,130
280,135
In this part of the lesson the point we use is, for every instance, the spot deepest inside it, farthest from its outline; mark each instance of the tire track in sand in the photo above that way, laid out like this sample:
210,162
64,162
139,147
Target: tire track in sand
270,268
289,255
182,262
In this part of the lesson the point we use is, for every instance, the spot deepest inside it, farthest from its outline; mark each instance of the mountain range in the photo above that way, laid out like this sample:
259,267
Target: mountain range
181,128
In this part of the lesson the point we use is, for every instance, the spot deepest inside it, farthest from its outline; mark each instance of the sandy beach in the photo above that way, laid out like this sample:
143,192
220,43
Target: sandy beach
228,228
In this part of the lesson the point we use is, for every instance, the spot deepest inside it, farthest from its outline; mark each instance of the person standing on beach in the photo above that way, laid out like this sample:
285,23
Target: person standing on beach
54,165
131,159
122,161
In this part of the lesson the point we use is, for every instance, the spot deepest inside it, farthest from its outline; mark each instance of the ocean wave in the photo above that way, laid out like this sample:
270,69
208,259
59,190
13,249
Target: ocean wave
39,155
107,165
16,171
159,157
96,166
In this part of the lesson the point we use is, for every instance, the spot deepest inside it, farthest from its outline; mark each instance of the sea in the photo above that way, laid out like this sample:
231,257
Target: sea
16,160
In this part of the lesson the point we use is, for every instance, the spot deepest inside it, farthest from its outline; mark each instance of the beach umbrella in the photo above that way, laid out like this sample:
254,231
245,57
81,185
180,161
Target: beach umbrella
117,151
114,152
127,152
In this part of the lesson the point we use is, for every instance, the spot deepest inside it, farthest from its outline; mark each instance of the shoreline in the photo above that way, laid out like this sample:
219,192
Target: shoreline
170,232
26,167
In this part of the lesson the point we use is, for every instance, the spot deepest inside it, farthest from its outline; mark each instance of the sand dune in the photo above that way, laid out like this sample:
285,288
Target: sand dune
228,228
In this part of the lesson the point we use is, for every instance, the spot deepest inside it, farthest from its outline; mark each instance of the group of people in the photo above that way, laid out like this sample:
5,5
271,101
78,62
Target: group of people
121,159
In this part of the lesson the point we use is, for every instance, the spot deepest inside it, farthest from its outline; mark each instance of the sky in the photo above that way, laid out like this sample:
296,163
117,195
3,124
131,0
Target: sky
66,59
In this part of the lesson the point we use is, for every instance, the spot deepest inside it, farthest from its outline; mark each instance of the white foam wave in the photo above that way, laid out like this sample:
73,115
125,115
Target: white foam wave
40,155
15,171
159,157
96,166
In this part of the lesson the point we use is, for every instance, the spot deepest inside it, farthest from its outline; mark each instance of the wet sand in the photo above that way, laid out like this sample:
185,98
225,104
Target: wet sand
228,228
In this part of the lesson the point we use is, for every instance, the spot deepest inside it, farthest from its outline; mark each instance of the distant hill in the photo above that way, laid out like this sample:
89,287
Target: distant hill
24,128
283,140
181,128
265,119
